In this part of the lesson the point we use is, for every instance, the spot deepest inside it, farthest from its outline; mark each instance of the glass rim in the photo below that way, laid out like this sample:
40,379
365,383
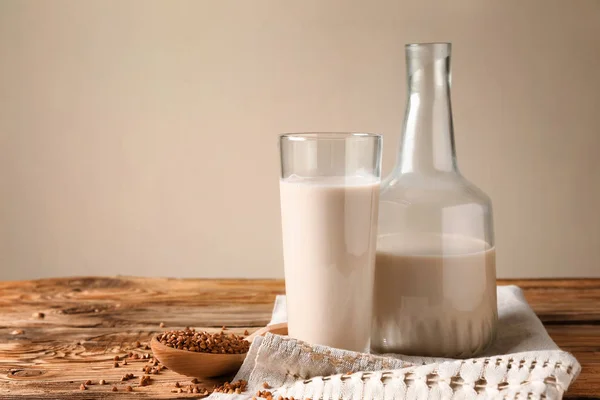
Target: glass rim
428,44
303,136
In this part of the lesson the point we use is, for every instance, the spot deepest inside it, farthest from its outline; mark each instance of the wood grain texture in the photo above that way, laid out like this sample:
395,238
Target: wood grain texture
90,320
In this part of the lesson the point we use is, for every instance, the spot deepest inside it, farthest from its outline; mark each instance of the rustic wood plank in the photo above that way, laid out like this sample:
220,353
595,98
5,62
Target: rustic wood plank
562,301
90,320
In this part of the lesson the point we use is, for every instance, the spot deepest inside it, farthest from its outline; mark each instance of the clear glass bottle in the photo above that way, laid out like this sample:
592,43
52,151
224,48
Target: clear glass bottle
435,279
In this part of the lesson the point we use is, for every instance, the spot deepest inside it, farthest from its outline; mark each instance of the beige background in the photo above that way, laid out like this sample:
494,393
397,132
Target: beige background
139,138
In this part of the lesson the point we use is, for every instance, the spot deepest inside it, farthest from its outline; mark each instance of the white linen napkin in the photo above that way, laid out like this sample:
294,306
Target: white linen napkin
523,362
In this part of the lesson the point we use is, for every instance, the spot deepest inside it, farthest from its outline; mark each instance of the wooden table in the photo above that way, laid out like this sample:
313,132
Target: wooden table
87,321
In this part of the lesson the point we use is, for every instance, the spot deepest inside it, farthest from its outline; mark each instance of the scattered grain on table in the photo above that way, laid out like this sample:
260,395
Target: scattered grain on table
231,387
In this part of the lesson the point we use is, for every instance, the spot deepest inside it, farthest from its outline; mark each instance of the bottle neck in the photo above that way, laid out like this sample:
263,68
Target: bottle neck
427,145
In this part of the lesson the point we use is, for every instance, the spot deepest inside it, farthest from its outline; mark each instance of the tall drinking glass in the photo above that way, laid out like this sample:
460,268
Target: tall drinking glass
329,191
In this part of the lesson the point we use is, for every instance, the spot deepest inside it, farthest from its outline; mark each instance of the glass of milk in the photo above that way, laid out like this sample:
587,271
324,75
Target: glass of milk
329,189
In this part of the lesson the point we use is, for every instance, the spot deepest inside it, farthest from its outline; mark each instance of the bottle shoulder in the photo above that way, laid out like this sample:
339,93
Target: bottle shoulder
443,188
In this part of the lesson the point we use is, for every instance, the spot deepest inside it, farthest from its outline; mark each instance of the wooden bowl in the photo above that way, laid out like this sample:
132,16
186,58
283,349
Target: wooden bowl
206,365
